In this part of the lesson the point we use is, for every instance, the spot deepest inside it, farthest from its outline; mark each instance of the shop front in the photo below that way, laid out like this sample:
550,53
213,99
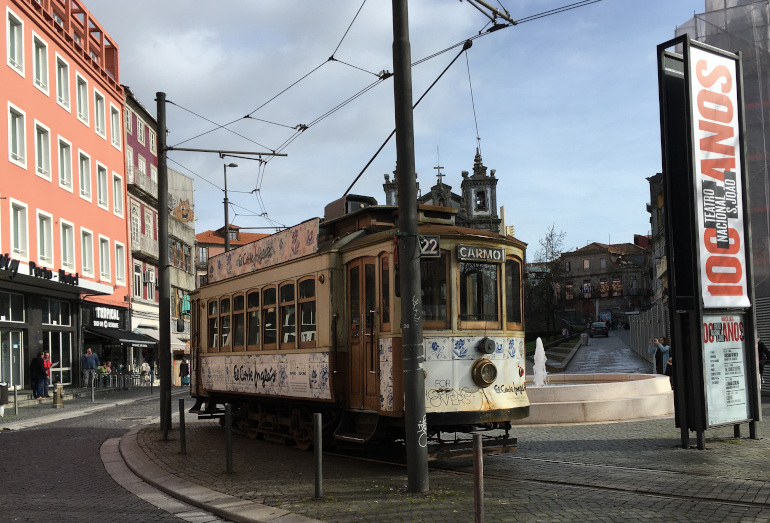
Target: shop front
105,332
39,312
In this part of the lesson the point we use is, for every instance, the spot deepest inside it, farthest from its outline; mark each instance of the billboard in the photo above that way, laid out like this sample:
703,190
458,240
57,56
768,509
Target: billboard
718,179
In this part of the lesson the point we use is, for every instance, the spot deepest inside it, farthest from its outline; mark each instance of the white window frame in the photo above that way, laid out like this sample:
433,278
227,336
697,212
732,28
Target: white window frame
65,164
153,143
40,63
17,155
42,151
153,173
148,227
129,121
138,291
81,97
19,250
120,264
45,254
14,27
63,83
105,269
67,243
87,252
140,125
84,189
129,161
115,128
102,186
100,114
117,194
141,164
151,285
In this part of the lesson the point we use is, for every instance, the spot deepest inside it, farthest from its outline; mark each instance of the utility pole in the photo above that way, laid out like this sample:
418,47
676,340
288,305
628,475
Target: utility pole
409,258
164,343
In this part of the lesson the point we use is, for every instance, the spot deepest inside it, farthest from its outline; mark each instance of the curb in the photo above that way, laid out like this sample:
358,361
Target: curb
223,505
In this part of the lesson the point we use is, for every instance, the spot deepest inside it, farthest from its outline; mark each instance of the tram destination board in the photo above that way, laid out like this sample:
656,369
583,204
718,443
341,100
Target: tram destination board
472,253
429,247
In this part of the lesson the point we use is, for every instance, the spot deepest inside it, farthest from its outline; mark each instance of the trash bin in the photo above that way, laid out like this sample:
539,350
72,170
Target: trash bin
584,338
3,393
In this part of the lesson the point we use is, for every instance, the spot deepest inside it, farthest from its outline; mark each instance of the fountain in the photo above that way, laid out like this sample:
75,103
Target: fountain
539,374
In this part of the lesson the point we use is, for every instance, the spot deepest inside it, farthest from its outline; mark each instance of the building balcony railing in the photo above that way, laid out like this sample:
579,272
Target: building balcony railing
139,180
144,246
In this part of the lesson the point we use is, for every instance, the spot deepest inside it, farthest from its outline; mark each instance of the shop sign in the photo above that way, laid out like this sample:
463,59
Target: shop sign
106,317
9,264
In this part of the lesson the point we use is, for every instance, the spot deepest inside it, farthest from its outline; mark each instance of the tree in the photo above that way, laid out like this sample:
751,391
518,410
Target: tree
544,275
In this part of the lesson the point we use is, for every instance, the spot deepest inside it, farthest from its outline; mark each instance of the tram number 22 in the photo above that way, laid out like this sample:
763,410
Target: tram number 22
429,247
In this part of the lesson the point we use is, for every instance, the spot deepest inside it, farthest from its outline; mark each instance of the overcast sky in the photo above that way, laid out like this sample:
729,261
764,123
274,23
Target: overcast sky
566,105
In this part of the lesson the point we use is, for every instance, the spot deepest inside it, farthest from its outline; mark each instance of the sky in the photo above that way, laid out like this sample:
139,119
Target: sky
564,108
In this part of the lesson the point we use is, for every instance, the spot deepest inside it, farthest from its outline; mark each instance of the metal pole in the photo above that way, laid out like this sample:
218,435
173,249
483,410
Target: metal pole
165,404
164,305
228,439
227,216
318,454
478,478
182,440
409,257
15,402
91,379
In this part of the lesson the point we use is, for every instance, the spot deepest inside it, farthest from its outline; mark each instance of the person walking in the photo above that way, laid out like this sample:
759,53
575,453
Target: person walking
89,362
37,375
764,355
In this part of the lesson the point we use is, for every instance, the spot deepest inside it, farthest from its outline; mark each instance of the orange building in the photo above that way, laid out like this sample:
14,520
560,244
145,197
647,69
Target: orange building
63,232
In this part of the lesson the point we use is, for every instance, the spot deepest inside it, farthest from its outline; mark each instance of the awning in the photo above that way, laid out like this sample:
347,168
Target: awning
176,343
127,337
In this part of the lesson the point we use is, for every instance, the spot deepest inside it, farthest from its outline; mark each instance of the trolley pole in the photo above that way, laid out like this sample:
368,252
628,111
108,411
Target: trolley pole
164,306
409,257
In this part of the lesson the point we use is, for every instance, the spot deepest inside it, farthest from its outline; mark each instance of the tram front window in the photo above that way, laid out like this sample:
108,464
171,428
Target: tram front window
478,291
434,289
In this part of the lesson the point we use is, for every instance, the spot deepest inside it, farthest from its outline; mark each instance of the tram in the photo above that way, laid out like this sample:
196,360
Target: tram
307,320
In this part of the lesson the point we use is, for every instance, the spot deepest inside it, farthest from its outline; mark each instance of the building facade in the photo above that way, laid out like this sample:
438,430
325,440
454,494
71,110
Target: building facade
601,282
63,241
210,243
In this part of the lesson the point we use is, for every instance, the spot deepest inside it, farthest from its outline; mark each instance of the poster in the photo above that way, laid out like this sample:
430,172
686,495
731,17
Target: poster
726,372
717,164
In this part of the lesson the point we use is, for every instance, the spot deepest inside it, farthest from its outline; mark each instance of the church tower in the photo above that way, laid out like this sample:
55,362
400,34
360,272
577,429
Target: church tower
480,197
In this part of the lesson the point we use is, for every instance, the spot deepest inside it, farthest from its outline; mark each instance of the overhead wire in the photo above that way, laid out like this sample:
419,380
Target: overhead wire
473,103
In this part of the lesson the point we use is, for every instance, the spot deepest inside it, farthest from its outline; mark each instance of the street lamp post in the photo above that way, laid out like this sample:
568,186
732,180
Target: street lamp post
227,217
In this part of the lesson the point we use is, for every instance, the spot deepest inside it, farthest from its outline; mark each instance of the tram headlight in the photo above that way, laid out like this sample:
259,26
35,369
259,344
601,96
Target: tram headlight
483,372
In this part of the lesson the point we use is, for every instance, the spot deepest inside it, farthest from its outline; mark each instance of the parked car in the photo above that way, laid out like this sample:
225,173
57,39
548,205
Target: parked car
598,328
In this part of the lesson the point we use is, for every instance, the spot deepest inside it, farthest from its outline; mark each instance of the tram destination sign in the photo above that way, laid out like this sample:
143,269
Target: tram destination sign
429,247
472,253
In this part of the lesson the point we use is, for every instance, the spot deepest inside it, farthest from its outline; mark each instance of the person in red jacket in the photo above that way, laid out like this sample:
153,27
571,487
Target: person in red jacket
47,379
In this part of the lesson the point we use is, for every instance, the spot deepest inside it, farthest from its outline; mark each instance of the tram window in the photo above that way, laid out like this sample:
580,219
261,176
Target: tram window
239,322
288,316
253,315
478,291
354,281
307,328
224,324
512,291
213,333
434,288
384,293
269,317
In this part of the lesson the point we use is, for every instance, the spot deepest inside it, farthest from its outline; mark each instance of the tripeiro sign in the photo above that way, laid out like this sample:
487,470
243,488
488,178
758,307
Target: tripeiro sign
716,133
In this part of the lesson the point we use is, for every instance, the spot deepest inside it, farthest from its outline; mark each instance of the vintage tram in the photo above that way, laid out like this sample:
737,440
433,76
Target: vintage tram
307,320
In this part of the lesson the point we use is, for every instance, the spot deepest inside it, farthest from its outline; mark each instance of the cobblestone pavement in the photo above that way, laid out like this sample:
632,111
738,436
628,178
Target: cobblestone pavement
632,471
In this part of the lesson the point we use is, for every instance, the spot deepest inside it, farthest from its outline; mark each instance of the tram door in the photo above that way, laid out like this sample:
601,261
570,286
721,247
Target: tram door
10,359
362,334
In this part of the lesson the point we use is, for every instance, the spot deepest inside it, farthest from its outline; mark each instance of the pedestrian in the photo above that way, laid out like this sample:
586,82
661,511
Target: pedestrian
89,362
764,354
37,375
47,380
184,372
145,369
661,351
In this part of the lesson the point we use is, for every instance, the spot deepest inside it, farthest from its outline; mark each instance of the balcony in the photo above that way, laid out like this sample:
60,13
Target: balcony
144,247
138,180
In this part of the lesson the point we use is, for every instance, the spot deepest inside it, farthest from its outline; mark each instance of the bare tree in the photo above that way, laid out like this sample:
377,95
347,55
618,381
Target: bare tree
545,273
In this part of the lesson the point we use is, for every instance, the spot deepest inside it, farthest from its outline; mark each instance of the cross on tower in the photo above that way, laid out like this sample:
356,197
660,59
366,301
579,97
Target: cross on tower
439,174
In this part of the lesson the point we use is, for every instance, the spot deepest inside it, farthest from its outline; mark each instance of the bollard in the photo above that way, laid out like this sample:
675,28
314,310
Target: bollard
163,407
182,441
58,396
15,402
92,389
318,453
229,438
478,478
